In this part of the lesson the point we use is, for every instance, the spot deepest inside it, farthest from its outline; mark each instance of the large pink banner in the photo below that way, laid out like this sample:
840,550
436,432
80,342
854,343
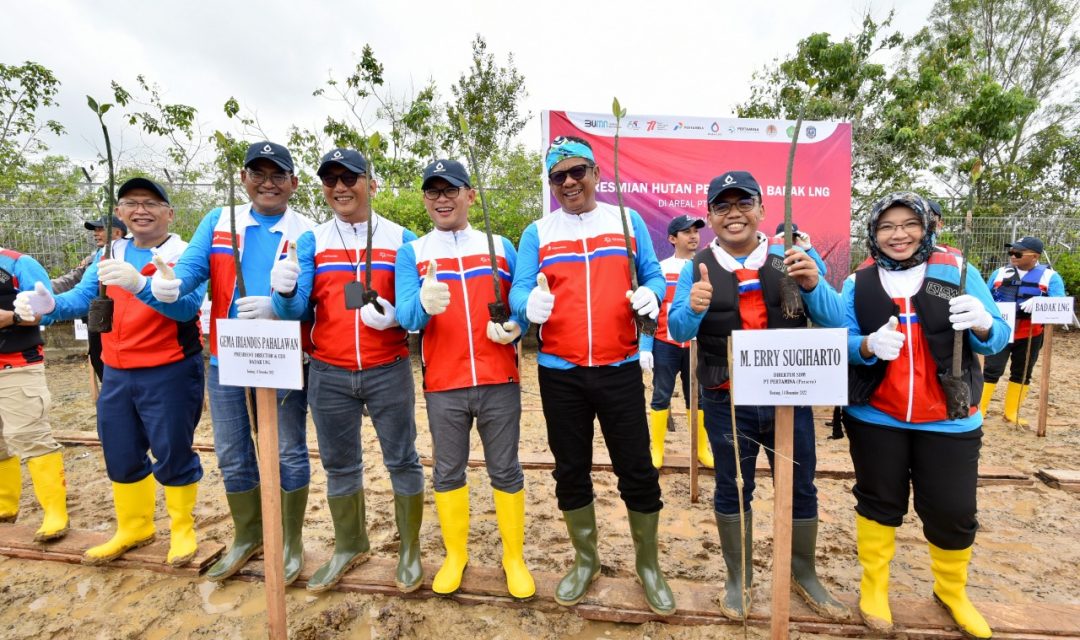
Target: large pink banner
666,163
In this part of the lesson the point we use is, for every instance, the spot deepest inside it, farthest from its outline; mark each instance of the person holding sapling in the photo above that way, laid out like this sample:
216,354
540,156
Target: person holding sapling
263,229
903,314
444,286
152,392
360,358
736,283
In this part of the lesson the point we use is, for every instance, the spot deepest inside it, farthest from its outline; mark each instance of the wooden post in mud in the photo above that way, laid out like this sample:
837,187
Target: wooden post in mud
692,403
273,542
782,481
1044,382
93,380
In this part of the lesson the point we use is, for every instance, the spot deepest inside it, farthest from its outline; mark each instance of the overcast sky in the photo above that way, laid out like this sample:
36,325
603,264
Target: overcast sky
690,57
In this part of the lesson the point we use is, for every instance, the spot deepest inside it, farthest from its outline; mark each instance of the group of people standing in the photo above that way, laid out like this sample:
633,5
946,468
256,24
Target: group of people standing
359,282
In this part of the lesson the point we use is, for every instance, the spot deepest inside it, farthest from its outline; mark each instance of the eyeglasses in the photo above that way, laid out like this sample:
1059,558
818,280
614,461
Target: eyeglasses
449,192
149,205
258,177
909,227
577,173
1017,254
348,179
744,205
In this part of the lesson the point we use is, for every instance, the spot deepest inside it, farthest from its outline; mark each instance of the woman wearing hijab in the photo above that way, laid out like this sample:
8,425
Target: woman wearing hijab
912,425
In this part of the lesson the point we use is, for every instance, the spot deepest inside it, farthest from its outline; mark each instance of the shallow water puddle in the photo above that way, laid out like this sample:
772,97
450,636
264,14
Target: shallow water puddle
219,598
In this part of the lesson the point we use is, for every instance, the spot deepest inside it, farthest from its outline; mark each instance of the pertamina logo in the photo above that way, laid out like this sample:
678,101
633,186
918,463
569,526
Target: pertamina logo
770,130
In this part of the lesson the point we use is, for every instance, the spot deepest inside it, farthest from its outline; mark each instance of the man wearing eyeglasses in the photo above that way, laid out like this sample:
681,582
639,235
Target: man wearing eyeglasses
1023,280
264,228
734,283
152,392
444,286
572,279
359,358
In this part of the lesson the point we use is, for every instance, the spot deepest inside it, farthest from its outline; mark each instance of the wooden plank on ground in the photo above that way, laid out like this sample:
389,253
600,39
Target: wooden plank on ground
17,541
1064,479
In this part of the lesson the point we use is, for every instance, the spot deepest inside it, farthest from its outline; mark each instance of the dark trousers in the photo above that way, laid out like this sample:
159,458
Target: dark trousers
669,360
995,364
615,395
941,468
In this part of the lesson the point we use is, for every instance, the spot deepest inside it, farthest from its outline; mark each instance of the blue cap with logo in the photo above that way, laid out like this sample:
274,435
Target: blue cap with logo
1027,243
738,180
143,183
352,160
100,224
450,170
780,228
271,151
682,223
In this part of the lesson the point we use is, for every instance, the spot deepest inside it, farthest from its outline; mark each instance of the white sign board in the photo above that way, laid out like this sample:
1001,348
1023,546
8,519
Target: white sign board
1008,311
789,367
204,315
80,330
1052,311
260,353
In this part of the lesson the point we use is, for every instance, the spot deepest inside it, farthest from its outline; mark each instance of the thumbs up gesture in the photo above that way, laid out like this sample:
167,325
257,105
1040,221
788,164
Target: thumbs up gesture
701,291
285,273
886,342
164,284
541,301
434,295
164,268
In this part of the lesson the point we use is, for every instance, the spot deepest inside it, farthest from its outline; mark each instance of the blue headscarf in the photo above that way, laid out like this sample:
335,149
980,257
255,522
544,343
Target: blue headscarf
921,207
562,148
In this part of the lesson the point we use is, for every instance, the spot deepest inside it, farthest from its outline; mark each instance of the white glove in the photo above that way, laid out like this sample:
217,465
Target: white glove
1027,306
504,333
434,295
285,273
34,304
164,285
885,343
541,301
370,316
645,359
967,312
644,302
255,308
117,273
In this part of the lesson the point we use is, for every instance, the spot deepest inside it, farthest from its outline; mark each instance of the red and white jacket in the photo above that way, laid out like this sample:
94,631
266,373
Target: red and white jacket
671,267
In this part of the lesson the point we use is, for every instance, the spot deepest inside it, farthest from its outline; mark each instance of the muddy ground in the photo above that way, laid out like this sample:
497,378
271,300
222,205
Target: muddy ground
1025,552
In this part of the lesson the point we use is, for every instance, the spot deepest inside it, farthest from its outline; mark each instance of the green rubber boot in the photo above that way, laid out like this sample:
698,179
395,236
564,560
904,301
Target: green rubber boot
351,544
581,525
658,594
293,506
804,572
733,548
409,514
246,509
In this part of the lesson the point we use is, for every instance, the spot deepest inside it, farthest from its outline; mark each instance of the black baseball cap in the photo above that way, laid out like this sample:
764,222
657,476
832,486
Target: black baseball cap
143,183
1027,243
450,170
100,224
352,160
271,151
738,180
682,223
794,228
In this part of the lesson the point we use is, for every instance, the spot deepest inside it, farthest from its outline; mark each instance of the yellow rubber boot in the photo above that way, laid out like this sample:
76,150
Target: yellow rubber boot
877,546
950,580
657,430
134,502
1014,395
704,447
47,472
510,513
988,392
453,508
10,488
180,503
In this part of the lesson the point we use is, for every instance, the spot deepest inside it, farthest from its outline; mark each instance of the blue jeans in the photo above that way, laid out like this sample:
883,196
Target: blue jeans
668,360
338,397
235,447
757,425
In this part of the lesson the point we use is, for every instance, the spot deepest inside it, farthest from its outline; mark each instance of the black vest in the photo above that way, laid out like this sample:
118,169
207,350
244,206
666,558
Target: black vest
722,316
16,339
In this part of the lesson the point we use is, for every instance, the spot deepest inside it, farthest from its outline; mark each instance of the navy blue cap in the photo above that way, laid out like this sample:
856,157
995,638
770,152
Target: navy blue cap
271,151
739,180
100,224
143,183
682,223
450,170
794,228
935,208
352,160
1027,243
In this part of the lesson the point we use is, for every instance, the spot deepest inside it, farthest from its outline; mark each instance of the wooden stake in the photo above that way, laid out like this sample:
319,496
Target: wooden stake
269,475
693,404
93,380
1044,382
782,477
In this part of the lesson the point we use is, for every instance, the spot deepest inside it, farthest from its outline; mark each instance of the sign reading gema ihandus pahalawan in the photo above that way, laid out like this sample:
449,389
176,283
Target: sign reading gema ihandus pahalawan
260,353
789,367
